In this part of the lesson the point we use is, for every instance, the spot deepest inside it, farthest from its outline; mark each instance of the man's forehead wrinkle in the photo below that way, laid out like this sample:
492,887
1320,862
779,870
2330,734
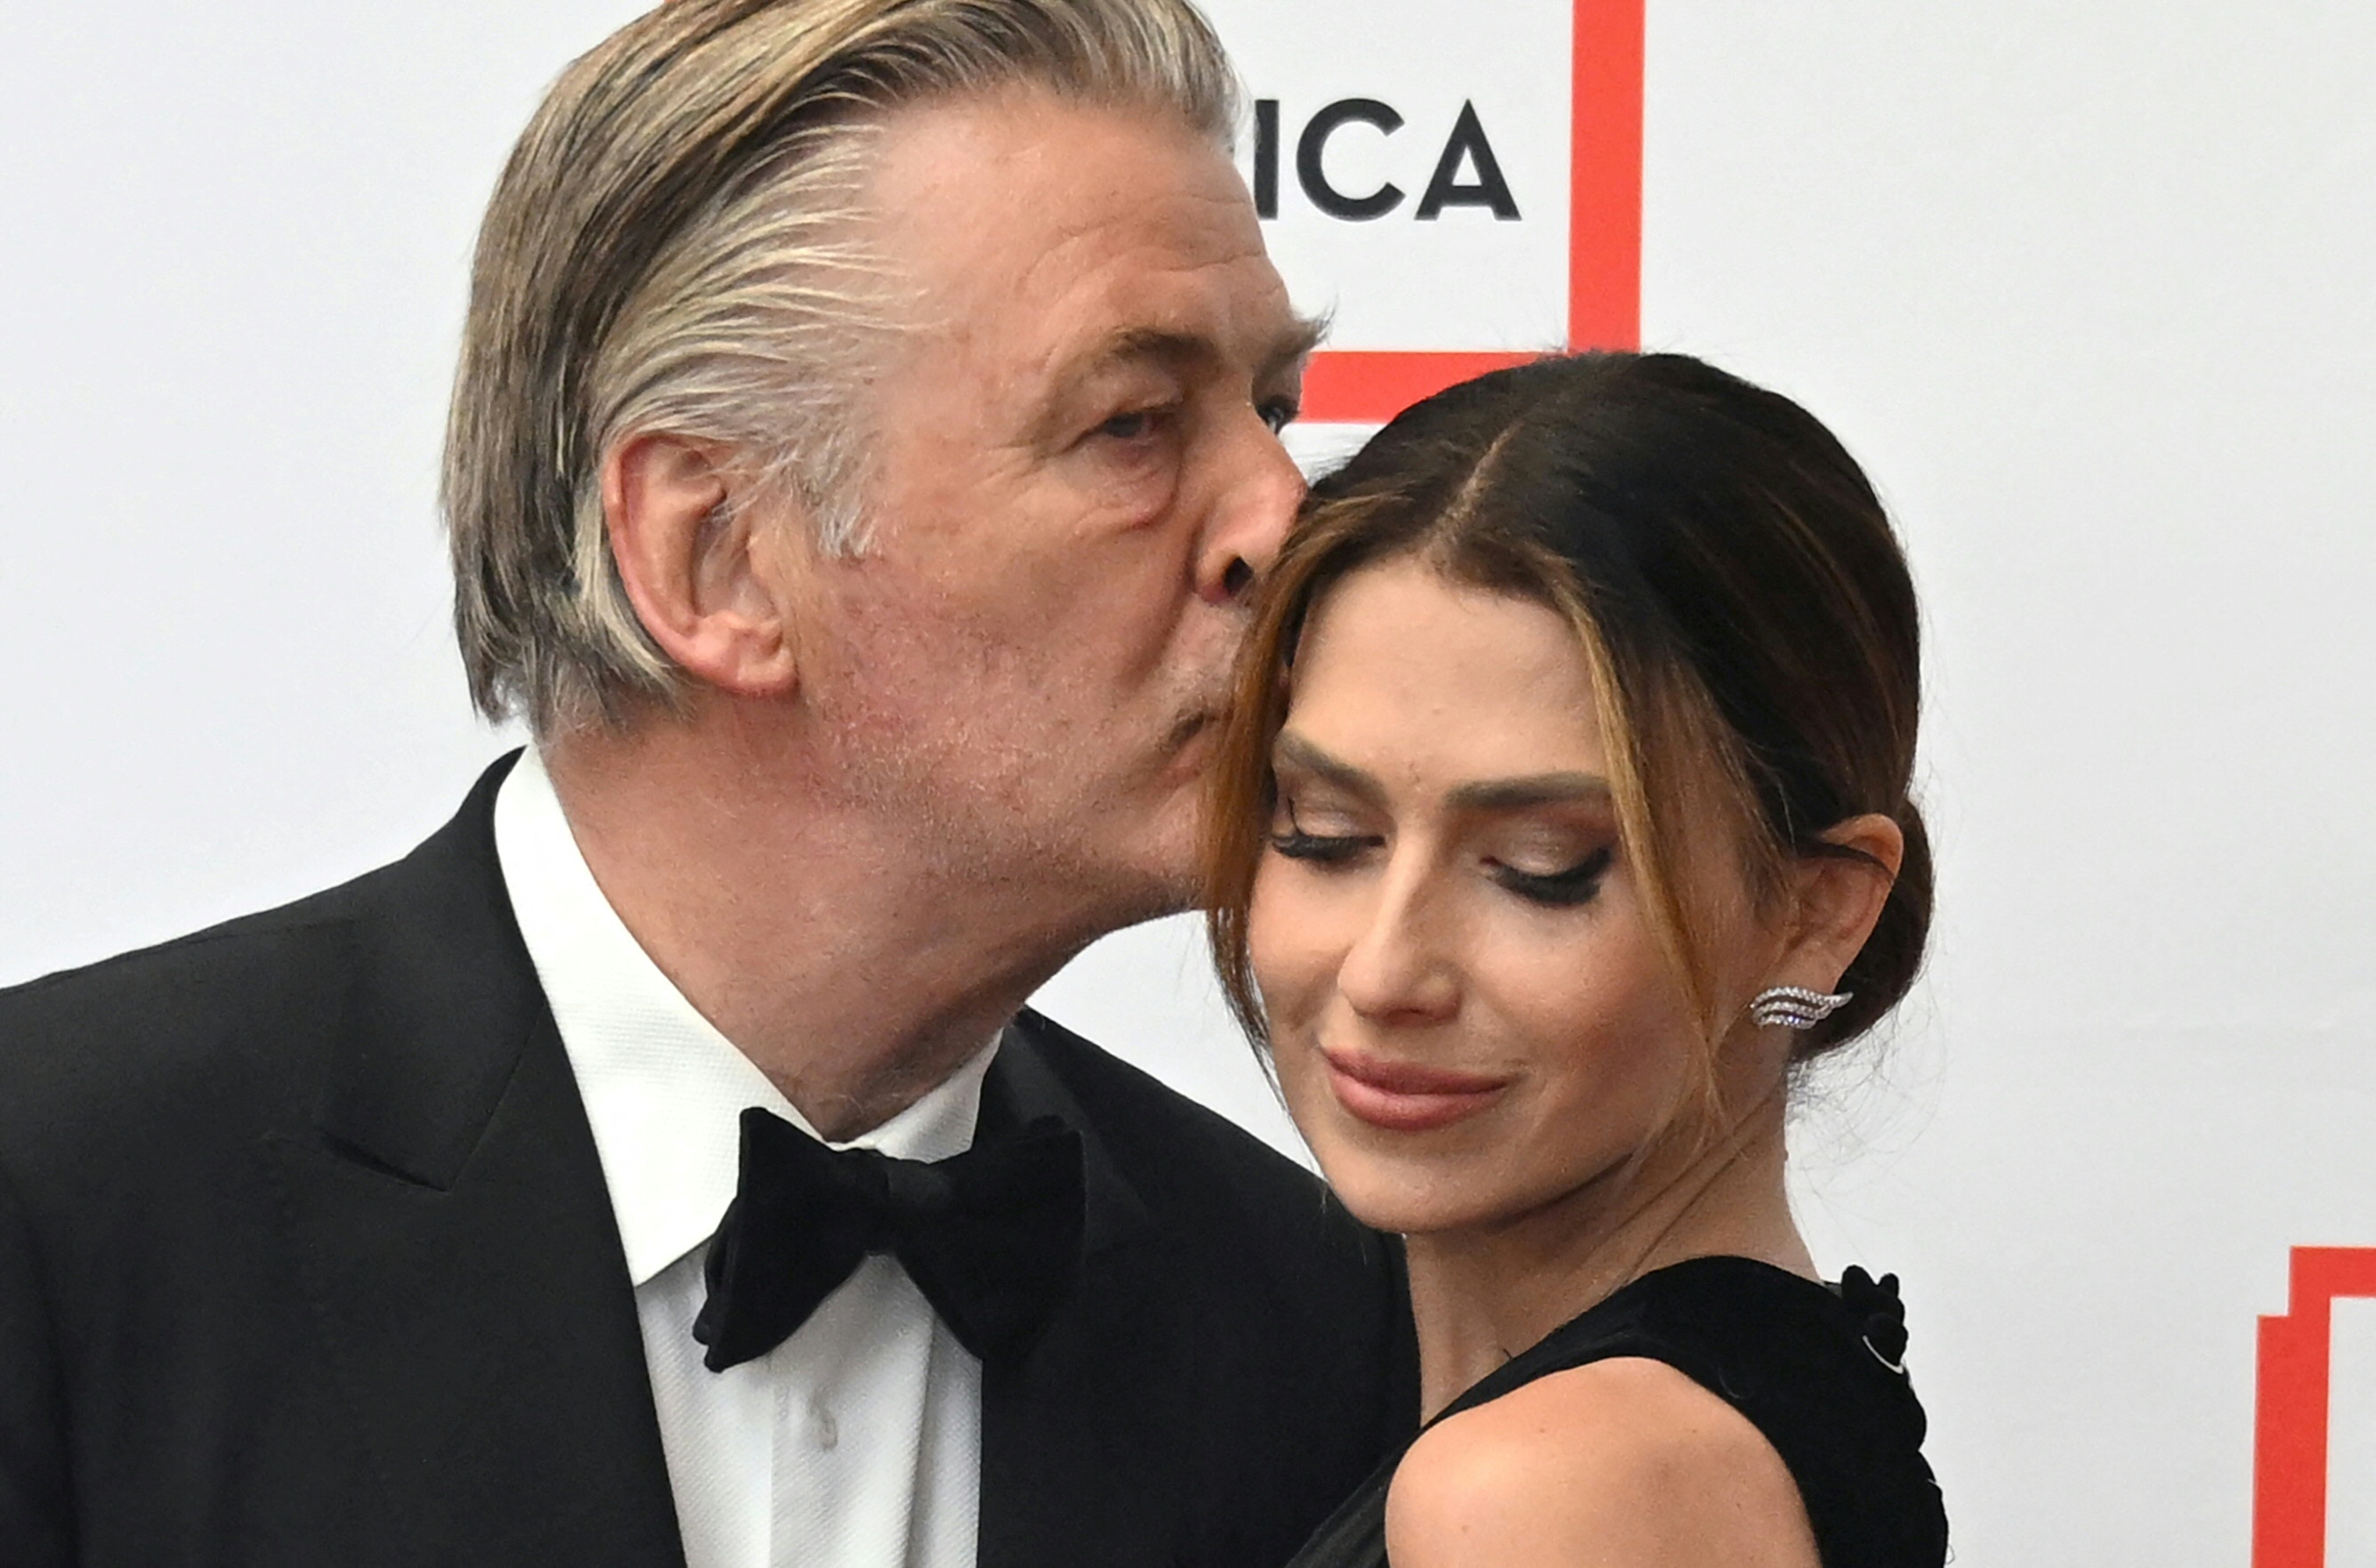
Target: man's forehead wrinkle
1169,312
1060,254
1116,234
1082,266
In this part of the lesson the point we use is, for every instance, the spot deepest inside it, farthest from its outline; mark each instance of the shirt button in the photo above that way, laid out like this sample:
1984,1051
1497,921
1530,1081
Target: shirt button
824,1430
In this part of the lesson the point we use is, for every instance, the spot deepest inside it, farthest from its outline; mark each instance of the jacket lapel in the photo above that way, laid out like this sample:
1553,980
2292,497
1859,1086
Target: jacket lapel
452,1229
1083,1441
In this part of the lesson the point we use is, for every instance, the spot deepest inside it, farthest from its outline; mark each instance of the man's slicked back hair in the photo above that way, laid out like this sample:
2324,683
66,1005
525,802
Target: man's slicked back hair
675,247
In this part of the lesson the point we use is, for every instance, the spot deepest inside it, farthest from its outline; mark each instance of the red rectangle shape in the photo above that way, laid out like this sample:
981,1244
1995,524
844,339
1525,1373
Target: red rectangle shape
2290,1407
1604,301
1604,236
1347,387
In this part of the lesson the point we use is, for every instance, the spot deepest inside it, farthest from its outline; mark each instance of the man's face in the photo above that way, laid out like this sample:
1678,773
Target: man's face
1076,470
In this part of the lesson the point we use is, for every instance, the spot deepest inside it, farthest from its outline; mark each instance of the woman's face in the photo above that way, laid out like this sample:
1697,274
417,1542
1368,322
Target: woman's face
1472,1017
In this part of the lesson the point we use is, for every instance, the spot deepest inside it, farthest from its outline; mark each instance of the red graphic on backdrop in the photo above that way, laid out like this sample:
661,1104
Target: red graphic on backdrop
1604,288
2289,1418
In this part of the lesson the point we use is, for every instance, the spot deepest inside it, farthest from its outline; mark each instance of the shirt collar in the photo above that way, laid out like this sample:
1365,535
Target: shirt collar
664,1091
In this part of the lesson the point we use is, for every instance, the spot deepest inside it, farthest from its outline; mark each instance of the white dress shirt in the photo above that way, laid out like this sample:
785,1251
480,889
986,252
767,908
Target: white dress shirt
856,1442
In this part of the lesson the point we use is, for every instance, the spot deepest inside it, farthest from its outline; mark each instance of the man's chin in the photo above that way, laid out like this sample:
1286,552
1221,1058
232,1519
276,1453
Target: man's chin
1165,876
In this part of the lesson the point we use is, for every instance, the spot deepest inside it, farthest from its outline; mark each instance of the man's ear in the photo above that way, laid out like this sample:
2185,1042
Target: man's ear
1839,898
710,581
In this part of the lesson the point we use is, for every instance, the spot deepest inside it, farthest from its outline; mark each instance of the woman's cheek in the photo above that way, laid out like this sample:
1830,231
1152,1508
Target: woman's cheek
1279,940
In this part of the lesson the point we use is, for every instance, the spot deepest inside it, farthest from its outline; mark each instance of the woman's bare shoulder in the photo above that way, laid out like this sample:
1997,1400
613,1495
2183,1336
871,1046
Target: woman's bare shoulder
1617,1463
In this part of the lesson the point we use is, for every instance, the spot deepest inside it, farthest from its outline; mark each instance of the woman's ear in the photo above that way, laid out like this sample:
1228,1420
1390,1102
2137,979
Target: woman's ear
708,577
1838,899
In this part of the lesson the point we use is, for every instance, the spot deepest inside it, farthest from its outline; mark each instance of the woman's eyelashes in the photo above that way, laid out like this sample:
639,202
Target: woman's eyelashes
1558,889
1564,888
1292,841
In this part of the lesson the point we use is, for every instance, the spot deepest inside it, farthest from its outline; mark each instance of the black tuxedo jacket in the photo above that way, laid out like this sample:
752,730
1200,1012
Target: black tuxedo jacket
305,1258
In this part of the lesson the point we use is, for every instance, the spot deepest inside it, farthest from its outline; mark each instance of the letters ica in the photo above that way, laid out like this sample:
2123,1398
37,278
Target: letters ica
1466,172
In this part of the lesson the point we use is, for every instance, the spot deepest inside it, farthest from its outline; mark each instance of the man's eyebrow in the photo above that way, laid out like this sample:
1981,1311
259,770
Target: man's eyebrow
1296,344
1128,344
1079,373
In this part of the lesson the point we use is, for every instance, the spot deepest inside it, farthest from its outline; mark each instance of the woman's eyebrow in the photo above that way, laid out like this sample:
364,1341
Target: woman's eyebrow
1486,795
1294,750
1539,790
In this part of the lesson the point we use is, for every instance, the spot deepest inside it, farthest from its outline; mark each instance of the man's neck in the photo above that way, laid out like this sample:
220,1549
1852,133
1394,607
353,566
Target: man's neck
817,935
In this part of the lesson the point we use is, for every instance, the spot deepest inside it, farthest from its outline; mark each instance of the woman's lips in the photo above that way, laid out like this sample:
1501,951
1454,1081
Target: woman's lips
1402,1097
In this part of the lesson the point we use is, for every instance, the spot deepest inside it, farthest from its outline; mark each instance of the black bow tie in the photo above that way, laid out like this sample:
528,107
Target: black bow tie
991,1236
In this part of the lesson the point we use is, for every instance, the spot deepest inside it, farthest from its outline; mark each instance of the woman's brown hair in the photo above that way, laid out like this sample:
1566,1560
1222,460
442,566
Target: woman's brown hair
1740,600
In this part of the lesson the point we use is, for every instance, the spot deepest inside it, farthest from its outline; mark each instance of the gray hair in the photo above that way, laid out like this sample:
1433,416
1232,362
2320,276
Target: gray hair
674,246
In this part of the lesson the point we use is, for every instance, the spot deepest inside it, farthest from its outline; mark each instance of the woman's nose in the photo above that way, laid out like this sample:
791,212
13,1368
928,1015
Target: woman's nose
1399,966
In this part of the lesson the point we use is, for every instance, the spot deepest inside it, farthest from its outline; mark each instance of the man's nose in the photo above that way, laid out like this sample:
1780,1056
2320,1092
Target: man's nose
1257,498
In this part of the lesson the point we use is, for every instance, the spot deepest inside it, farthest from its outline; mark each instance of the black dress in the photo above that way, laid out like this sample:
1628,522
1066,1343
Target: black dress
1815,1368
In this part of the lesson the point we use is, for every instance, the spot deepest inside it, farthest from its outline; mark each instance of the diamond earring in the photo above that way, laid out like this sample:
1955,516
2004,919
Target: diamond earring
1796,1008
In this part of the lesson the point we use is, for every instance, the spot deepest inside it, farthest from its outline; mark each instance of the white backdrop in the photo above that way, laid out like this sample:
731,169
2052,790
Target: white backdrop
2091,290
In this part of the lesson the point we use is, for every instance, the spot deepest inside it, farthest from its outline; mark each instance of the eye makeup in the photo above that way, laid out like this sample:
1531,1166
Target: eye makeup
1578,884
1292,842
